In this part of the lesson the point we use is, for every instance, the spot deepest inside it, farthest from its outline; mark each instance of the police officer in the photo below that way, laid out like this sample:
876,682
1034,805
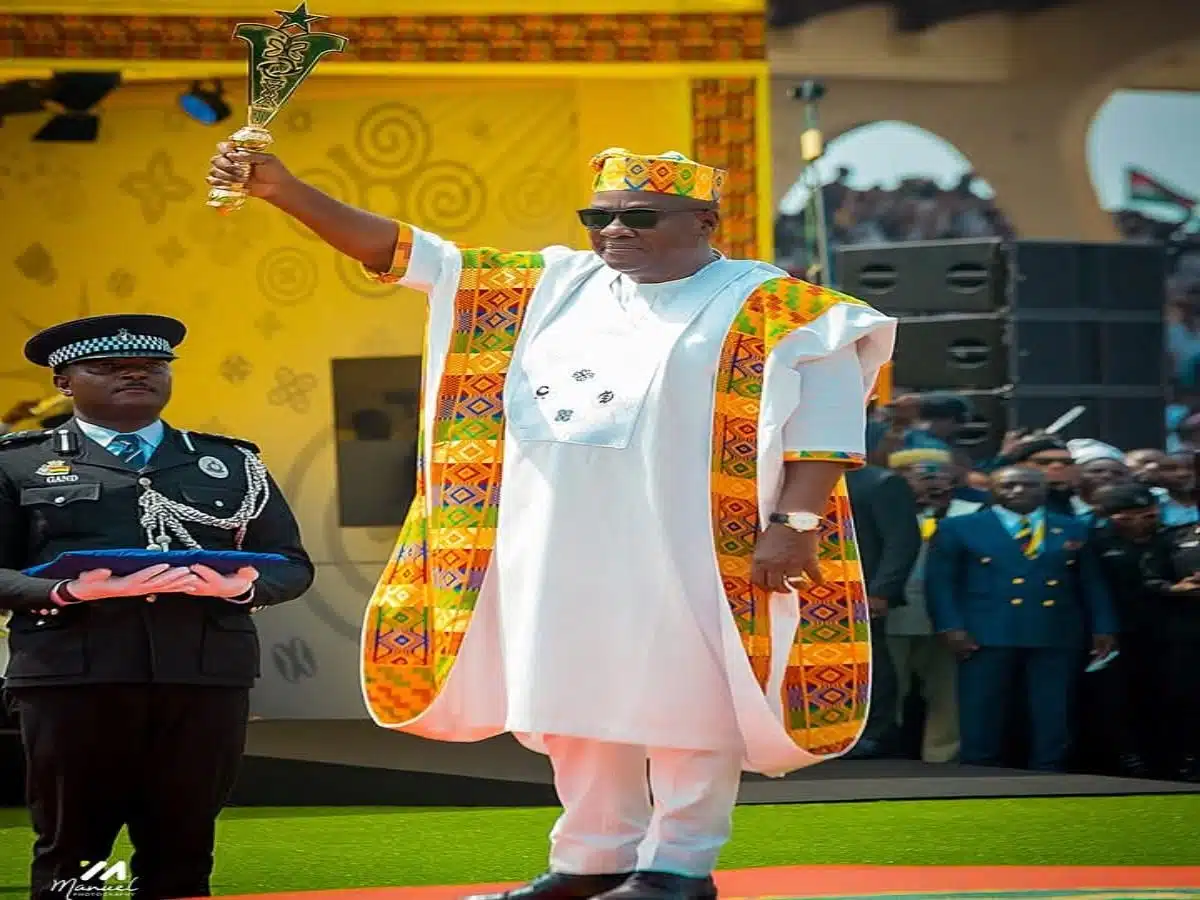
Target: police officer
132,690
1120,719
1173,574
1014,590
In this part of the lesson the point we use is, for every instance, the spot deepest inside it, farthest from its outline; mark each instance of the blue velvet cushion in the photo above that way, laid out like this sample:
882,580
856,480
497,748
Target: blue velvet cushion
126,562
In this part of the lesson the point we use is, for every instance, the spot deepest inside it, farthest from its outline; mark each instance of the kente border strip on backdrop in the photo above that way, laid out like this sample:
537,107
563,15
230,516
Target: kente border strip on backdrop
688,37
725,114
729,116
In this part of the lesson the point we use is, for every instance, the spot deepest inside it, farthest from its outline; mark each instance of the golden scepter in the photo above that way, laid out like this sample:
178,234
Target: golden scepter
280,59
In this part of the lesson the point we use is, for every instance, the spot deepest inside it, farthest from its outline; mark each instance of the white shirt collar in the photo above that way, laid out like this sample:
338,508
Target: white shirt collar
151,435
959,507
1010,519
1079,506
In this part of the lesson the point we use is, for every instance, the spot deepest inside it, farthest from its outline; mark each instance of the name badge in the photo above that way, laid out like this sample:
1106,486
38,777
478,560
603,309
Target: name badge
56,471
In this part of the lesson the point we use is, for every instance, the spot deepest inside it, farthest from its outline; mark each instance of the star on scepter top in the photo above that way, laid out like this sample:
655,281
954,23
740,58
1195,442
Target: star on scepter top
298,18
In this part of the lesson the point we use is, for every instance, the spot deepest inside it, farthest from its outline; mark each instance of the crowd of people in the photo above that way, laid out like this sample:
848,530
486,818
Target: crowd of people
964,626
1040,609
918,209
1183,326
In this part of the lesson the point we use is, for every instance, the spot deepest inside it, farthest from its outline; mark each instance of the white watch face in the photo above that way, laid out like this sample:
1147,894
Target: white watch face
803,521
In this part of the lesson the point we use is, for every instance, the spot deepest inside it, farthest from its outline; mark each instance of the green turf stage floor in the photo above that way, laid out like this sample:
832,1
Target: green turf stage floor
261,850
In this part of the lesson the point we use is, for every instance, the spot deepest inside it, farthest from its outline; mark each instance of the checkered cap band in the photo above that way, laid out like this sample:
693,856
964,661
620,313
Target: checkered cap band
123,343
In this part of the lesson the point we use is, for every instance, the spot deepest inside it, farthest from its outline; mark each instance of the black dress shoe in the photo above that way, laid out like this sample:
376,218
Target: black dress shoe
663,886
557,886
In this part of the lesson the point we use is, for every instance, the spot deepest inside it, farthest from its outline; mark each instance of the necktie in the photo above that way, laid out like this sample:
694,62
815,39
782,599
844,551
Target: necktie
128,449
928,525
1024,538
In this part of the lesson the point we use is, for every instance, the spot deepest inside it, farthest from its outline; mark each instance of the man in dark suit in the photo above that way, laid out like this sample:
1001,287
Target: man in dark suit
132,690
889,542
1014,590
1172,572
1120,721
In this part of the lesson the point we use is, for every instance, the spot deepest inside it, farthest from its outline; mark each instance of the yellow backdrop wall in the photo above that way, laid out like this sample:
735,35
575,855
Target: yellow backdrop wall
120,226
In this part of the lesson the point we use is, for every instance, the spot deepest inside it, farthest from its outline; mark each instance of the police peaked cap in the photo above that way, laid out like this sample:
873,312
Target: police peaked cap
106,337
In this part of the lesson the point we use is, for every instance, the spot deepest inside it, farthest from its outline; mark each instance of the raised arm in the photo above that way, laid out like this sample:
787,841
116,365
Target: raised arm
361,235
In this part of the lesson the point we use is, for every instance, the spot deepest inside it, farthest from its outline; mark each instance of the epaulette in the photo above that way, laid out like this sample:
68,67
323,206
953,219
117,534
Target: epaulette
226,439
20,438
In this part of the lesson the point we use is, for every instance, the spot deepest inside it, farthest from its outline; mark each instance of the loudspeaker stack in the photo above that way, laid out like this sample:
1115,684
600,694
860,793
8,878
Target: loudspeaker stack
1026,330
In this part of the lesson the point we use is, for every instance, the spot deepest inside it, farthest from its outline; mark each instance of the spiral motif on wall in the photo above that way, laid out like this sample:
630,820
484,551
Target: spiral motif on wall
393,137
533,198
287,276
326,181
446,197
353,278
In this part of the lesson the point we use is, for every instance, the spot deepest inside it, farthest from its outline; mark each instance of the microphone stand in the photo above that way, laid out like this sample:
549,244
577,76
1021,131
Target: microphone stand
820,270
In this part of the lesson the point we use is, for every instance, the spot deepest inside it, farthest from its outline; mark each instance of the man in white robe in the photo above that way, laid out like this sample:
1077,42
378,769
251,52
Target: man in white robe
630,544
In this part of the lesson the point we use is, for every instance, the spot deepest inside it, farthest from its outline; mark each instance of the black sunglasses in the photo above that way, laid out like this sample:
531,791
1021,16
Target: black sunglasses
639,219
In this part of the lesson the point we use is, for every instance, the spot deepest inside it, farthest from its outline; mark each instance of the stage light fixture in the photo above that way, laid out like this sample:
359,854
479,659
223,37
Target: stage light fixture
72,95
205,104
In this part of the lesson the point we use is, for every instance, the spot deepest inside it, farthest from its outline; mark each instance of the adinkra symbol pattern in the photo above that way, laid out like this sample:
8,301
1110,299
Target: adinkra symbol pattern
392,156
293,390
121,283
236,368
268,324
36,264
156,187
294,660
287,276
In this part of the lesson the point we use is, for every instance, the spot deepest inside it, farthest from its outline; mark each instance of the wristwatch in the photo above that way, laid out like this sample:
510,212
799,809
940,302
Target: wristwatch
797,521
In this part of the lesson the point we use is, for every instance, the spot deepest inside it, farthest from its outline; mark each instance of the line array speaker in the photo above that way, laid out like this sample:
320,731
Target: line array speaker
1041,325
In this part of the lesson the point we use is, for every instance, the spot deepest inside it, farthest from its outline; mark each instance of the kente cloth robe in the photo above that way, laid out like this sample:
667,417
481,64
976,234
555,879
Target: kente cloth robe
596,460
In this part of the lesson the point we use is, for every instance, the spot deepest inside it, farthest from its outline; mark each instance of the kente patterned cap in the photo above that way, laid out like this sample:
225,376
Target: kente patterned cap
919,456
106,337
616,169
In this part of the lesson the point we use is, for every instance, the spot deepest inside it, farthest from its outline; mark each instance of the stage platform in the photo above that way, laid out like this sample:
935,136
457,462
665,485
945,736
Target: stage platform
374,767
882,882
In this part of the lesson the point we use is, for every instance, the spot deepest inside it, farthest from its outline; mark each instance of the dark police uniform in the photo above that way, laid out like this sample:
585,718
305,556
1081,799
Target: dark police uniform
889,542
133,710
1031,619
1177,556
1120,719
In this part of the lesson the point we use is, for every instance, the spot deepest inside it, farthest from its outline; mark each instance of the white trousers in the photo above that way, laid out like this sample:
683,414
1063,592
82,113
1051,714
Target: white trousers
617,817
